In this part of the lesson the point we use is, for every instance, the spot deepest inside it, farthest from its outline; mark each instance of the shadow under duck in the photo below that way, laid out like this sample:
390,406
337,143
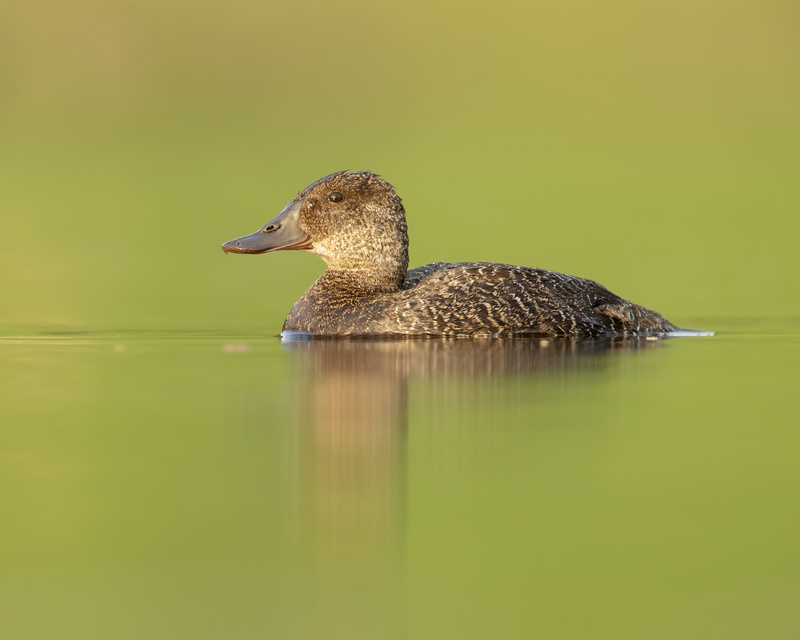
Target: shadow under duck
356,223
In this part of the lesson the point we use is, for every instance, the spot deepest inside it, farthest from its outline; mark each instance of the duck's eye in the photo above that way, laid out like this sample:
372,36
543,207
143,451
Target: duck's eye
335,196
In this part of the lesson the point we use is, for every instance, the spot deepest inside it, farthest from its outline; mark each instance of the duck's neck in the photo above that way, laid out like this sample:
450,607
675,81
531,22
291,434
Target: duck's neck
381,273
372,261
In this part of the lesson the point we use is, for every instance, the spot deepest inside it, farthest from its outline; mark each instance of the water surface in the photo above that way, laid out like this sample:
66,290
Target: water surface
172,485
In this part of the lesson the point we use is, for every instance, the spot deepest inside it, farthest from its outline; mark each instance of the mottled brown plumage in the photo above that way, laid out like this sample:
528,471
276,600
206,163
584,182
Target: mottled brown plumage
357,224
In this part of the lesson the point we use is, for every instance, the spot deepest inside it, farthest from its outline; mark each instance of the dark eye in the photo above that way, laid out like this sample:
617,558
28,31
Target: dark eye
335,196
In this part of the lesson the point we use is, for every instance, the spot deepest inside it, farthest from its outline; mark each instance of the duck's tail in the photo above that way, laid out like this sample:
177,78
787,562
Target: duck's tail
648,321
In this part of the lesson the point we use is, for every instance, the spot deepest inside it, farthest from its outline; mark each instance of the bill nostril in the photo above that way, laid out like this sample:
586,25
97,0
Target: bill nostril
271,228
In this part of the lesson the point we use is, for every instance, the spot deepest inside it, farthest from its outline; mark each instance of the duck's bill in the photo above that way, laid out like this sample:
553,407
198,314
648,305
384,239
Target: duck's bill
282,232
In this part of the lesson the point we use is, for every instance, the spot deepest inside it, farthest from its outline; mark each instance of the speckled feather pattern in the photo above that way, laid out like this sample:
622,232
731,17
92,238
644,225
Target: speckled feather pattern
367,290
474,299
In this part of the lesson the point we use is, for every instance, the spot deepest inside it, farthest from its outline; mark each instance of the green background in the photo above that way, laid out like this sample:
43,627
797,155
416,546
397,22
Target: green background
651,146
169,469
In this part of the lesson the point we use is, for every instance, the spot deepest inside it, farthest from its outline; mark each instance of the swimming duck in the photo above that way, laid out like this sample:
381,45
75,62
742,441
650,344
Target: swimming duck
356,223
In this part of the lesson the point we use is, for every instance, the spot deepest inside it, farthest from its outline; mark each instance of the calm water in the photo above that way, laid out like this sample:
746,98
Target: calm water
198,486
222,485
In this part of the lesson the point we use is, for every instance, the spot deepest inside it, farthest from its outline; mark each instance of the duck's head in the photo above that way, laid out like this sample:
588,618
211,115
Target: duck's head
352,220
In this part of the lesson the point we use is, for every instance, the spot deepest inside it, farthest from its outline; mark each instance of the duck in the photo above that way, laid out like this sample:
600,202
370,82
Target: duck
356,223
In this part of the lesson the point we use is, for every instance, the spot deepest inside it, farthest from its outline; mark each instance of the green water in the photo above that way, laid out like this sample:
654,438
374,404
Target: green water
198,486
170,470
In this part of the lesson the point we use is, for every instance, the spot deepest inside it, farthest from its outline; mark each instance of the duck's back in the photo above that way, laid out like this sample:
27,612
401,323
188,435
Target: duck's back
496,299
474,299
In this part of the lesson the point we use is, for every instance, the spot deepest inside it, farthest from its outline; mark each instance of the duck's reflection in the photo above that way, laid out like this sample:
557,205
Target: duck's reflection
400,359
353,399
357,399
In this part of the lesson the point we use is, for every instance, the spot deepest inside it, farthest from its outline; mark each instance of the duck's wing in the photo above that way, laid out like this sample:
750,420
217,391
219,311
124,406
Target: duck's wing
493,298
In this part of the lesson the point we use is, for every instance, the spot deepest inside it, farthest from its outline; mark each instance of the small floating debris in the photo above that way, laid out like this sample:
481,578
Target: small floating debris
544,343
236,347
